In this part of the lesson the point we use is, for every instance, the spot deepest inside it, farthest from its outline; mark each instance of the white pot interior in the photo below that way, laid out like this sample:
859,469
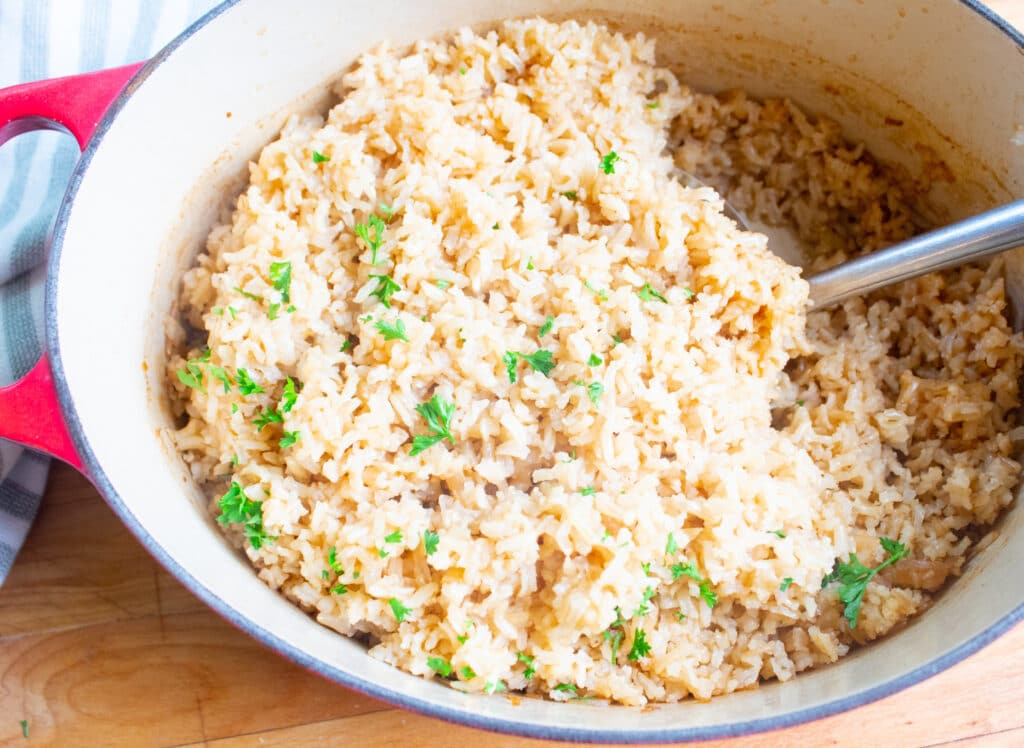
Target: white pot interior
172,159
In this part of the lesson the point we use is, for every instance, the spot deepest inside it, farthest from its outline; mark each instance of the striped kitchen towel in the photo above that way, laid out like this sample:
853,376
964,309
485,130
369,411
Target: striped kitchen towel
45,39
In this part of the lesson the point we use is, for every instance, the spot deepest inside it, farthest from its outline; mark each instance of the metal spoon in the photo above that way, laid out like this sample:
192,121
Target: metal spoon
985,234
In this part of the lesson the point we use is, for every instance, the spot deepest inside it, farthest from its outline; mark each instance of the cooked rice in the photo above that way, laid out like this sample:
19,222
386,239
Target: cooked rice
767,443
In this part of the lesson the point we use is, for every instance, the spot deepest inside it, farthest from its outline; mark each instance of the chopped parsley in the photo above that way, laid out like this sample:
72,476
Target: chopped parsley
245,384
218,311
615,633
779,534
688,293
617,339
395,537
363,230
462,71
233,312
708,594
266,417
588,491
685,570
646,566
786,583
234,407
566,688
390,331
643,608
571,194
339,589
467,672
289,439
237,508
221,376
442,284
400,611
594,391
601,294
281,278
430,541
640,647
463,638
594,360
272,311
494,686
649,294
529,263
496,226
248,295
440,666
192,375
652,104
333,562
437,412
680,616
853,577
289,396
542,361
801,403
528,661
386,288
546,327
319,158
386,209
608,162
671,546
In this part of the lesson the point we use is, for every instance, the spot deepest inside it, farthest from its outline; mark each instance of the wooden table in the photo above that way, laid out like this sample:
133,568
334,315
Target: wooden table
100,646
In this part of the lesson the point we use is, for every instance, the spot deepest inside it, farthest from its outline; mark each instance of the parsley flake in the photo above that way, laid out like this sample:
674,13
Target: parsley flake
390,331
528,661
779,533
641,648
594,360
801,403
233,312
386,288
608,162
588,491
549,322
708,594
437,412
375,224
643,608
237,508
566,688
281,278
333,562
192,376
614,634
652,104
594,392
289,396
395,537
266,417
494,686
467,672
440,666
853,577
24,728
571,194
680,616
430,541
786,583
346,346
248,295
541,360
400,611
245,384
289,439
339,589
601,294
685,570
386,209
442,284
649,294
688,294
529,263
319,158
671,546
221,376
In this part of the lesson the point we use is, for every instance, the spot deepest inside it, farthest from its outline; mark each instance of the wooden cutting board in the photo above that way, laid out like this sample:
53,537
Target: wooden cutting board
99,646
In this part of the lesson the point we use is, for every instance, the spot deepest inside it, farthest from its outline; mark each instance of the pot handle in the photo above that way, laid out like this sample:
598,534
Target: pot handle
30,412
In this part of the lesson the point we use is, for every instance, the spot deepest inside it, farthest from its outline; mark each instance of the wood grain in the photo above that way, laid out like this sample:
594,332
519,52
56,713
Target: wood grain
100,646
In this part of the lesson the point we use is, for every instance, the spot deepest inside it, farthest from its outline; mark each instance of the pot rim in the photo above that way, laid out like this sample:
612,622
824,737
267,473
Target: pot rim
629,734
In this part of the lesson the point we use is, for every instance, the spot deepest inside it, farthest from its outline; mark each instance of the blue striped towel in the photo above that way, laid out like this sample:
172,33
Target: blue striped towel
45,39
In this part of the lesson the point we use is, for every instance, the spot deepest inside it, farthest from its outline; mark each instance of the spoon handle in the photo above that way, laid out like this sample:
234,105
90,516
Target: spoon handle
985,234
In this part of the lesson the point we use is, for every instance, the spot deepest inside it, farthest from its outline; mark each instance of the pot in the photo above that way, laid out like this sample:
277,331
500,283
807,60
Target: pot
166,147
